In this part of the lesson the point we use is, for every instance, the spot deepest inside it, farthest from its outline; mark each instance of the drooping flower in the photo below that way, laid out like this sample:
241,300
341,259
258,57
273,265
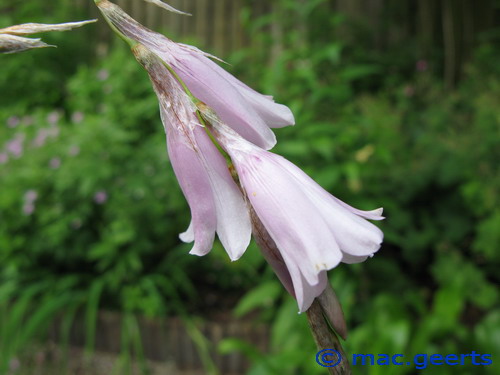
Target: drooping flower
216,203
100,197
304,230
313,230
249,113
12,38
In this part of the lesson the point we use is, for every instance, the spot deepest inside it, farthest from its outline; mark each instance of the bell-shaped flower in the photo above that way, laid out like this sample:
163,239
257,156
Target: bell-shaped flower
313,231
216,202
248,112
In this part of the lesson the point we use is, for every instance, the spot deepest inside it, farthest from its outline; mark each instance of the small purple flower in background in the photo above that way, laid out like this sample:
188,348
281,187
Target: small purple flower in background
55,163
28,209
100,197
103,75
53,117
30,196
14,364
422,65
77,117
13,121
4,157
40,138
15,146
45,133
74,150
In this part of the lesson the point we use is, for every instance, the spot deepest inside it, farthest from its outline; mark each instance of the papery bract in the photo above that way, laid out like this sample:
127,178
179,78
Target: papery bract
12,41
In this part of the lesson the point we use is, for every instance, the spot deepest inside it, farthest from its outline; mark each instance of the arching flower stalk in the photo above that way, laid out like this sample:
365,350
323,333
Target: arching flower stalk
217,137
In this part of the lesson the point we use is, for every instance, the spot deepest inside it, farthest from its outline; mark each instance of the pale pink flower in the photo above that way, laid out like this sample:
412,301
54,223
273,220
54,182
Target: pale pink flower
13,121
55,163
103,74
215,200
30,196
249,113
15,146
14,364
313,230
53,117
74,150
28,208
40,138
100,197
77,117
4,157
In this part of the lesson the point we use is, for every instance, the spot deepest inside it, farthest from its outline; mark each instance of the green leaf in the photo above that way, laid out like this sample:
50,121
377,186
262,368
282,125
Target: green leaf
263,295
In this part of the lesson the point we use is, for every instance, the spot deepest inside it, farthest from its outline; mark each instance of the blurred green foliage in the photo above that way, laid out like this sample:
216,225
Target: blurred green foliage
90,209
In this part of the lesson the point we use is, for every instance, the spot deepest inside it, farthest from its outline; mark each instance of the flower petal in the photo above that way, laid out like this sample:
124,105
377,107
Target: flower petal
196,187
355,235
350,259
305,292
303,237
233,221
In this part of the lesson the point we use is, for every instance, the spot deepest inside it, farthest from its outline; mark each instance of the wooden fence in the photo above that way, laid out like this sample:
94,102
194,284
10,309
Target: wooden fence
168,340
213,24
449,26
